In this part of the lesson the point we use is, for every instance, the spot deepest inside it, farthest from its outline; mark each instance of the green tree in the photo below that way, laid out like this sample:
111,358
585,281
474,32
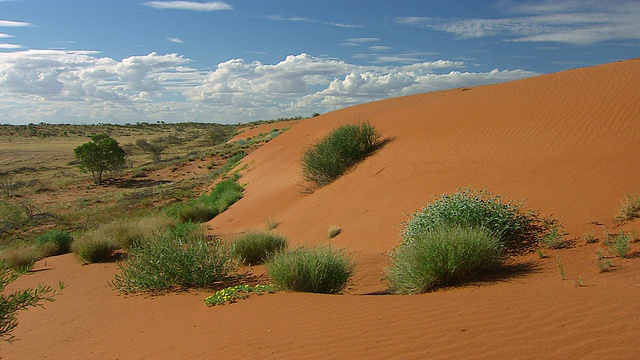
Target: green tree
100,155
10,304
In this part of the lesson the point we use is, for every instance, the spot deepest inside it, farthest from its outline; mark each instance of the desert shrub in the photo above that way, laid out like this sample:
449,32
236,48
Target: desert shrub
630,208
226,199
330,157
443,256
316,269
20,258
333,231
137,230
516,229
11,303
60,239
174,261
197,213
256,247
95,246
619,245
206,207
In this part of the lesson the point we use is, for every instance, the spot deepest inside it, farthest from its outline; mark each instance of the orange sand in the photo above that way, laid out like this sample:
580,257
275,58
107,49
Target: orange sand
567,142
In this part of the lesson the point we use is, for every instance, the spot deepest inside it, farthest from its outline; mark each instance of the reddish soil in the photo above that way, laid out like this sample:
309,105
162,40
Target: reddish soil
565,142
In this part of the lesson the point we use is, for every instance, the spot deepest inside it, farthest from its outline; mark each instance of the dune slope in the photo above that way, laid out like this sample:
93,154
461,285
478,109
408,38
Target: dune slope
565,142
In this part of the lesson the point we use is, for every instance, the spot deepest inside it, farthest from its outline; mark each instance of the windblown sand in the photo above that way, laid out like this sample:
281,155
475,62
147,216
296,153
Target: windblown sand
568,143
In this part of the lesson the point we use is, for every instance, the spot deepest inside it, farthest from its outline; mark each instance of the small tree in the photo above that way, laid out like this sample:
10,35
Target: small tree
11,303
100,155
154,148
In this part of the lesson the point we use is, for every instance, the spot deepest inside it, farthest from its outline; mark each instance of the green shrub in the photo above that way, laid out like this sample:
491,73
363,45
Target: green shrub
619,245
206,207
95,246
226,199
174,261
316,270
187,229
256,247
517,230
443,256
630,208
11,303
61,239
197,213
20,258
330,157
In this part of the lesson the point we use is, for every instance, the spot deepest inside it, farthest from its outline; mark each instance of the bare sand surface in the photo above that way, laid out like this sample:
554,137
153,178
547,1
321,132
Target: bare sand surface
568,143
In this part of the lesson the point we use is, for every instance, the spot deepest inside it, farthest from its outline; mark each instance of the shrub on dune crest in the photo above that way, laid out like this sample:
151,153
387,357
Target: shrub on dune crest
330,157
316,270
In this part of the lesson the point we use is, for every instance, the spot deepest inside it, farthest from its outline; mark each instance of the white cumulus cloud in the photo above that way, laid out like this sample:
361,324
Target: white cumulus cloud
11,23
189,5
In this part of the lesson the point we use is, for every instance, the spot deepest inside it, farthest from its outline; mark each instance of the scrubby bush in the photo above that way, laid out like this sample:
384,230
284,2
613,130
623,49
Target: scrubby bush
442,256
95,246
61,240
516,228
20,258
206,207
174,261
138,230
330,157
197,213
256,247
630,208
316,270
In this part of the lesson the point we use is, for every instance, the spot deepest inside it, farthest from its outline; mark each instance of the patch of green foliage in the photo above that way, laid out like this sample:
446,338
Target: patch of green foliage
60,239
100,155
208,206
517,229
256,247
173,261
442,256
11,303
234,293
326,160
311,269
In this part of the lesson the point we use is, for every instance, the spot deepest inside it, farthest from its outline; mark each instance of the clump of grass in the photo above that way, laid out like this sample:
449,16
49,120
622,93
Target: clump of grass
206,207
95,246
442,256
560,266
56,241
256,247
540,253
271,223
630,208
197,213
589,238
619,245
604,265
20,258
517,230
311,269
333,231
345,146
554,238
172,261
138,230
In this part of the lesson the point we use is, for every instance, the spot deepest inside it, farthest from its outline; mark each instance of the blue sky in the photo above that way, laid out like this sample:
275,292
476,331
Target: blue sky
127,61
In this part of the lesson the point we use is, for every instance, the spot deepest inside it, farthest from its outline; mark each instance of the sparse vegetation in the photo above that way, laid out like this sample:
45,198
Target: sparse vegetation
256,247
554,238
11,303
172,261
442,256
333,231
20,258
311,269
589,238
619,245
234,293
630,208
517,230
330,157
270,223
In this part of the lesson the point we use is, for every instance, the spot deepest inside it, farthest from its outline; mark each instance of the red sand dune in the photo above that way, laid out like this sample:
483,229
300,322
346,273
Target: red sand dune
566,142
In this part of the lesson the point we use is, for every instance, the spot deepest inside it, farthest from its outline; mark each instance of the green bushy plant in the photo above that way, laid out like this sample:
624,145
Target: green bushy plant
442,256
11,303
330,157
311,269
619,245
95,246
630,208
516,229
174,261
60,239
128,232
256,247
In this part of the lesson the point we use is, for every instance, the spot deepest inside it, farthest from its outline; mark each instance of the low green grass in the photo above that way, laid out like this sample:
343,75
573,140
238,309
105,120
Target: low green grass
443,256
311,269
173,261
208,206
326,160
256,247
